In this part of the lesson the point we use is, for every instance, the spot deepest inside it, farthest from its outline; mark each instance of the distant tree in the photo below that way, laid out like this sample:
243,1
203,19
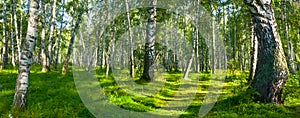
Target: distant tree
60,35
51,35
4,41
20,97
45,68
130,39
271,73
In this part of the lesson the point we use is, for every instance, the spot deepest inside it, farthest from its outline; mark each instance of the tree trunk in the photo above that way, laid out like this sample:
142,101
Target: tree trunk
246,47
5,41
15,20
12,36
130,39
20,97
67,59
188,67
234,50
165,62
197,2
213,68
45,68
272,74
150,41
52,25
19,42
254,51
288,41
60,34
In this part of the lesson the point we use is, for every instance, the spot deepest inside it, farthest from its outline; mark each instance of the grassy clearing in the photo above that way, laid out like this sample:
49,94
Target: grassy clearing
54,95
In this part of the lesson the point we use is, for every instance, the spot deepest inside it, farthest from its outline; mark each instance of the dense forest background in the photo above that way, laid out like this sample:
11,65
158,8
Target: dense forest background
43,42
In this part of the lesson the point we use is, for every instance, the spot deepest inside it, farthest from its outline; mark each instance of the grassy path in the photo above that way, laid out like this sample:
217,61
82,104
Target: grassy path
54,95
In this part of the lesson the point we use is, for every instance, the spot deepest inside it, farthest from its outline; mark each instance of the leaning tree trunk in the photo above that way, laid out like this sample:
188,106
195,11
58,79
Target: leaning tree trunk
150,41
20,97
67,59
188,67
272,72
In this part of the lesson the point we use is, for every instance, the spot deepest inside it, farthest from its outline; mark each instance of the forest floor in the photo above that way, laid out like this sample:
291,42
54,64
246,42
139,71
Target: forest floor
52,94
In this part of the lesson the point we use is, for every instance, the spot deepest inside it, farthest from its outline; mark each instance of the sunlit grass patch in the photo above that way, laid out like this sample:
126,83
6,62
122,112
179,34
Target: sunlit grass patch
52,94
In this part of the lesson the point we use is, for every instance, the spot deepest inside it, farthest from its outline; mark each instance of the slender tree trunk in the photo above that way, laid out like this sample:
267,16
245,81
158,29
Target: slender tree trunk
15,20
52,25
60,34
213,69
165,44
19,42
254,51
20,97
102,58
110,48
197,2
272,73
298,37
246,47
288,41
5,41
234,36
130,39
67,58
45,68
148,73
12,36
188,67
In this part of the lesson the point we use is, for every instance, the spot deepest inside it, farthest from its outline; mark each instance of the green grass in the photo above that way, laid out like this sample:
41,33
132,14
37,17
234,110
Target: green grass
54,95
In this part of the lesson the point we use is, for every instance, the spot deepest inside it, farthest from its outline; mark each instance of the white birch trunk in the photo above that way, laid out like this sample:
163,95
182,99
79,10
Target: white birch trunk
20,97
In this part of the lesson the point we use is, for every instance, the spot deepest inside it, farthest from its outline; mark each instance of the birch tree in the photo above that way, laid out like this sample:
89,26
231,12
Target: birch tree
130,39
12,37
5,41
45,68
52,25
60,34
150,41
288,41
20,97
253,53
67,58
272,72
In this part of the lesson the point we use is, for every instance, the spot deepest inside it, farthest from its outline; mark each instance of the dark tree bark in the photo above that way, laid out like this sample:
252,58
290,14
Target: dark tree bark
150,41
20,97
272,72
